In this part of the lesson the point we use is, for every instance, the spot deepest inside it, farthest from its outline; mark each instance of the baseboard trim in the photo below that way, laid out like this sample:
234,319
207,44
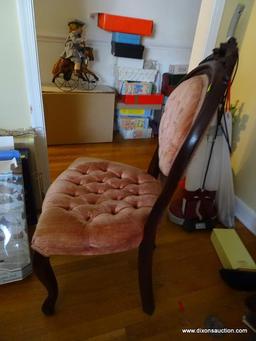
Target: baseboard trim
246,215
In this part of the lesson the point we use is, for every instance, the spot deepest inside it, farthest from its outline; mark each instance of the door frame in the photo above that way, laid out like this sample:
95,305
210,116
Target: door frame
26,19
208,24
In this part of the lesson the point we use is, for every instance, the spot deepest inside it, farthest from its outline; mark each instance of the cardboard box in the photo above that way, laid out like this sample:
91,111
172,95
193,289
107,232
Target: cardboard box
231,250
79,116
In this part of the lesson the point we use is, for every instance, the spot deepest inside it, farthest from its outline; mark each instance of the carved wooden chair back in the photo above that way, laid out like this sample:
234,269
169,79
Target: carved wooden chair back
208,83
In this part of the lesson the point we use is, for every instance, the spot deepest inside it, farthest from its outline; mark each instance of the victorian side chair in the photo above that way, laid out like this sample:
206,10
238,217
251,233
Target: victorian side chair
100,207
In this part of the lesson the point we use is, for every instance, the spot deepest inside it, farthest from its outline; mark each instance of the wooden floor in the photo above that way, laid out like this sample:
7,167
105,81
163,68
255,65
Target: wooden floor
99,298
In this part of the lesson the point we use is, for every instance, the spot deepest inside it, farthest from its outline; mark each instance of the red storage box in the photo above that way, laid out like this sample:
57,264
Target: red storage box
143,99
116,23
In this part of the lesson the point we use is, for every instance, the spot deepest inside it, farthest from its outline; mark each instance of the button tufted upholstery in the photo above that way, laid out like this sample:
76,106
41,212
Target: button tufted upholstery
95,207
181,110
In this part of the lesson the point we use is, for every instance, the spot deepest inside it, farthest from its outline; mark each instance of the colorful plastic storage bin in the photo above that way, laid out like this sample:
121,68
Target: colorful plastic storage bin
127,50
142,99
126,38
135,112
129,123
134,88
116,23
136,133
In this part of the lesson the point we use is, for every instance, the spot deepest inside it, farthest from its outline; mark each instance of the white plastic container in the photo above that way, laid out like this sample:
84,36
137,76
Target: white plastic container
136,133
131,123
135,88
136,75
178,69
129,62
15,261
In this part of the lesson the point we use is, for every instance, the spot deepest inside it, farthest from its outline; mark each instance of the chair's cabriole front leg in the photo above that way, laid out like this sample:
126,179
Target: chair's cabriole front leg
44,272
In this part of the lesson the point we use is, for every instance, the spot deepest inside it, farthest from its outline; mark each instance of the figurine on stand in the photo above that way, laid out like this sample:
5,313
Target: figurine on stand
75,44
71,70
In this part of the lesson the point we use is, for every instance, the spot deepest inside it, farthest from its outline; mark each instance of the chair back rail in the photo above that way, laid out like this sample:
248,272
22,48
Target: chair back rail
219,68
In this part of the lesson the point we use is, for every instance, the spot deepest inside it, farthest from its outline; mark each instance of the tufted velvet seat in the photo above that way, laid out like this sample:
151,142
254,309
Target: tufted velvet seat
100,207
95,207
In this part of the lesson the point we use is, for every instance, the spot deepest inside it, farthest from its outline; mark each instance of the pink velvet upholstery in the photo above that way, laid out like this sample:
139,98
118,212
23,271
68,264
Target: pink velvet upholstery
95,207
182,108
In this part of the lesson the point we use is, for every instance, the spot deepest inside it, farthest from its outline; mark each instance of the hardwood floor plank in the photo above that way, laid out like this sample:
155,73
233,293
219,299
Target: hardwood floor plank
117,335
134,152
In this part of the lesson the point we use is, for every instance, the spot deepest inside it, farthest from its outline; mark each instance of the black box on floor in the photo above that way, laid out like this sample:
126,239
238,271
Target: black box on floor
127,50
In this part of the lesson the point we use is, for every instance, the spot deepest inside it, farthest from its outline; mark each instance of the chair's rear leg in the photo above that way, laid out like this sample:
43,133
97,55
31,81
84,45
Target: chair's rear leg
145,258
44,272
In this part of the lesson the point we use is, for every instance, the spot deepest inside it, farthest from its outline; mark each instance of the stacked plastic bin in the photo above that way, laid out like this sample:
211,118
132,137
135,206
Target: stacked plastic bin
134,82
127,46
15,261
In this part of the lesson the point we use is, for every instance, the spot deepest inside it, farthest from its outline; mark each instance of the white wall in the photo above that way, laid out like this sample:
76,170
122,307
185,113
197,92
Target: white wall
206,30
228,12
14,107
175,23
243,90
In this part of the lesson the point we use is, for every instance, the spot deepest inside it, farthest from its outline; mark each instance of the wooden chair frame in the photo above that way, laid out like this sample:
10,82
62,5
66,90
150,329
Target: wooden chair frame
218,68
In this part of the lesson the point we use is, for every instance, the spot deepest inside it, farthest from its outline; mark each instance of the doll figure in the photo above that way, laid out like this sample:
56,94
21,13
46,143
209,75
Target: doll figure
75,44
